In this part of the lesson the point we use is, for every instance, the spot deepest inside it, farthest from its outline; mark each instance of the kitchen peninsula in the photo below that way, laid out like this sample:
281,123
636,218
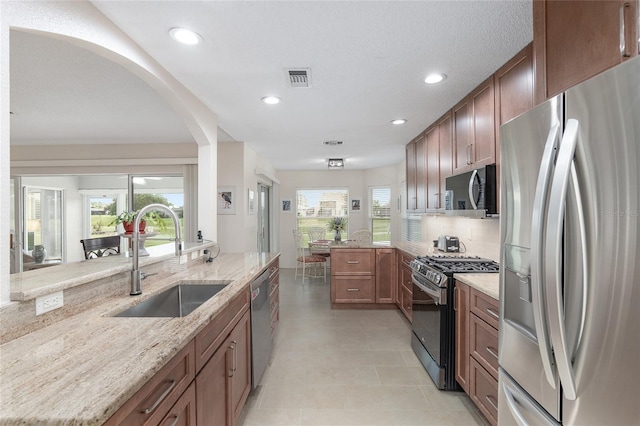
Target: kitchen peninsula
84,367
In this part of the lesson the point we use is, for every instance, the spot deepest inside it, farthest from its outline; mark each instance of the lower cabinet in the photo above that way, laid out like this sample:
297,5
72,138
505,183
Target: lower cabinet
404,285
206,383
477,348
223,384
363,275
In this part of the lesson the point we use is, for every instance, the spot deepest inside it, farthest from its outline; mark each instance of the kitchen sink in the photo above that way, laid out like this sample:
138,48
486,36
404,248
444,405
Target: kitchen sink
177,301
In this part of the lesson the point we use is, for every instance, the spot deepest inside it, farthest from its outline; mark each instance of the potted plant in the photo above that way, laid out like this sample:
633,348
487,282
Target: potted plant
127,219
337,225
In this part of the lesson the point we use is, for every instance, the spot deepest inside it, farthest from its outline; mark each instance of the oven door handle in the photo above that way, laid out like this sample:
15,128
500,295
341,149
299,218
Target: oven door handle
431,292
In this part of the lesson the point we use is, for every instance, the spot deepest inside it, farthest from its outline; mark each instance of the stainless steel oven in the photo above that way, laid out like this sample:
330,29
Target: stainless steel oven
433,317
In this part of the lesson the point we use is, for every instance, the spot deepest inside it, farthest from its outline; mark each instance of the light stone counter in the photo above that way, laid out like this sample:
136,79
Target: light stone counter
81,370
488,283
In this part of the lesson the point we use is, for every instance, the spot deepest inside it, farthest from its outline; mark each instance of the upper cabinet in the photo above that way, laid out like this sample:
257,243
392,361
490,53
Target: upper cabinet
433,167
474,128
514,90
575,40
445,142
416,175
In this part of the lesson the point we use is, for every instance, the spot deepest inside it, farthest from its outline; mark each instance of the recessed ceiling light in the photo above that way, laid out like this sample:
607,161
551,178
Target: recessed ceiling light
398,121
271,100
184,36
434,78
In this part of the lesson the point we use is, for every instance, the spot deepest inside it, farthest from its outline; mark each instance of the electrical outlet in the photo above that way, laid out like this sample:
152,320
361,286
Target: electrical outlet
195,255
183,259
49,302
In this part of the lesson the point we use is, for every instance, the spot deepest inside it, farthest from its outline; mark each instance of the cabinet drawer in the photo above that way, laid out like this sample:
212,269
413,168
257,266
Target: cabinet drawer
154,400
484,344
484,391
485,307
352,262
354,289
208,340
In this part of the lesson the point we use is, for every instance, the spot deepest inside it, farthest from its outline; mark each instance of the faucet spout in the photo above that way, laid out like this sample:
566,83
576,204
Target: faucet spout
136,275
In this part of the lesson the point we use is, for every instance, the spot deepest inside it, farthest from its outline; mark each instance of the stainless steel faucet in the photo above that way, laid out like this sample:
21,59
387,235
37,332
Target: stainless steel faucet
136,275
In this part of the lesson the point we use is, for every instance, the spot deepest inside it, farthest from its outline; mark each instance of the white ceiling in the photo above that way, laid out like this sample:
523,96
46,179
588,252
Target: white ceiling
368,61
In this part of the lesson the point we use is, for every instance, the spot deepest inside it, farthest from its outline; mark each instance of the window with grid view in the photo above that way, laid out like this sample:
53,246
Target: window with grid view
380,214
316,207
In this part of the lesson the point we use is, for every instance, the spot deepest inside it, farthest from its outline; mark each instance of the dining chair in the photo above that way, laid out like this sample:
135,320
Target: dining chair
316,233
100,247
304,258
361,236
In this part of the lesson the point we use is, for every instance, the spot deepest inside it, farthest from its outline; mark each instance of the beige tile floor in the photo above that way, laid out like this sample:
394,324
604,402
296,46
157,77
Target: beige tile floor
346,368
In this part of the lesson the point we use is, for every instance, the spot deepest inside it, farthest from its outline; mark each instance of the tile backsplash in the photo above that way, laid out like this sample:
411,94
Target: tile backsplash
481,237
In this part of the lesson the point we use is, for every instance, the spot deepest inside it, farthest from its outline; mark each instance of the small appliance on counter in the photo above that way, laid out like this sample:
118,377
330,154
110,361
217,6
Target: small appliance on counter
448,243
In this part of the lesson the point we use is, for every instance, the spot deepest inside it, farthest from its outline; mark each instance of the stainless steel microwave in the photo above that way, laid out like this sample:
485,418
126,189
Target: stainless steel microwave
474,190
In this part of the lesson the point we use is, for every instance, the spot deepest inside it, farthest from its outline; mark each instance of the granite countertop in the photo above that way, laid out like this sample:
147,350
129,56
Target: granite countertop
81,370
488,284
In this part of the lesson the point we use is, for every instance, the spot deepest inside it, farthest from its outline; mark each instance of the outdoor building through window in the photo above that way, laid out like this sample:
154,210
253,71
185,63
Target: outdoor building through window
380,214
316,207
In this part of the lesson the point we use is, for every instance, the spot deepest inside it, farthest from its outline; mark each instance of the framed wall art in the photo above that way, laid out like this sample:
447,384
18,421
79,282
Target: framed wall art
226,200
355,205
287,205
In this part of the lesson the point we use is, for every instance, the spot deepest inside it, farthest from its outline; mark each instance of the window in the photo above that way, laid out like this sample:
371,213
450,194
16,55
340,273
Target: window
43,216
315,207
380,214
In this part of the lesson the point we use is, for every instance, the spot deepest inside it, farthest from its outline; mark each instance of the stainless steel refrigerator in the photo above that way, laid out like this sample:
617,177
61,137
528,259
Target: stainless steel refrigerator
570,257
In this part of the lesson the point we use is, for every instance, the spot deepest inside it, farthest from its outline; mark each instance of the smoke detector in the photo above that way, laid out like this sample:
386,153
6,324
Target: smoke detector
299,78
332,143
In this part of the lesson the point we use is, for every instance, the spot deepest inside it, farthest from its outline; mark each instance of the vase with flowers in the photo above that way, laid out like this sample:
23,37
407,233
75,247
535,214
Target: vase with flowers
337,225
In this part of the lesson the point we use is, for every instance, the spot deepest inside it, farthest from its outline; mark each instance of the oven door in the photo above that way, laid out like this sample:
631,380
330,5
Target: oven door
428,317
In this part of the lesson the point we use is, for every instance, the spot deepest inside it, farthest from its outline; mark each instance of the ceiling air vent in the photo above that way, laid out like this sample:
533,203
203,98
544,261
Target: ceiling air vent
299,77
332,143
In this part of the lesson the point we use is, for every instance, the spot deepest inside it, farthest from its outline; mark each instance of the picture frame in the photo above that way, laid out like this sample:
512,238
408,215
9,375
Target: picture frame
226,200
286,205
251,201
355,205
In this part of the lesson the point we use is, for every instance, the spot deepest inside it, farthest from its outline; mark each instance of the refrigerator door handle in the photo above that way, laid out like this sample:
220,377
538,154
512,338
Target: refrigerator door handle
553,259
538,220
472,179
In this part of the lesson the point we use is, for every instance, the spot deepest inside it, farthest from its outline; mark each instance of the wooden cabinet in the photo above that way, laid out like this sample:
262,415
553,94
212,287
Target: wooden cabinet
474,128
404,286
433,166
416,157
385,275
445,155
477,348
223,384
461,307
274,294
152,403
575,40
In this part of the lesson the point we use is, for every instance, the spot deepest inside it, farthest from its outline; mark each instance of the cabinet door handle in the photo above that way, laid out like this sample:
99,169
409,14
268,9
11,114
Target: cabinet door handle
623,36
353,289
492,351
175,418
162,396
353,262
492,313
235,356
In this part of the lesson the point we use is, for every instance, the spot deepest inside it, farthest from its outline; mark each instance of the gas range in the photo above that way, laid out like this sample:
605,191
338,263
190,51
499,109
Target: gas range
438,268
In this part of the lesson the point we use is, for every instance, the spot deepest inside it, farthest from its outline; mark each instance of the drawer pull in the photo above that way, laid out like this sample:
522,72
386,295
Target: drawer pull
353,289
490,399
492,313
164,394
353,262
492,351
175,420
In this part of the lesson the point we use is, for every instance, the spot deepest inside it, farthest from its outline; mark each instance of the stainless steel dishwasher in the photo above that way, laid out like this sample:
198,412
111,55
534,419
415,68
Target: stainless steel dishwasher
260,328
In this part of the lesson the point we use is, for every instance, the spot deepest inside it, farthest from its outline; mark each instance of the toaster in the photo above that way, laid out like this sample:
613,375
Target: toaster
448,243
